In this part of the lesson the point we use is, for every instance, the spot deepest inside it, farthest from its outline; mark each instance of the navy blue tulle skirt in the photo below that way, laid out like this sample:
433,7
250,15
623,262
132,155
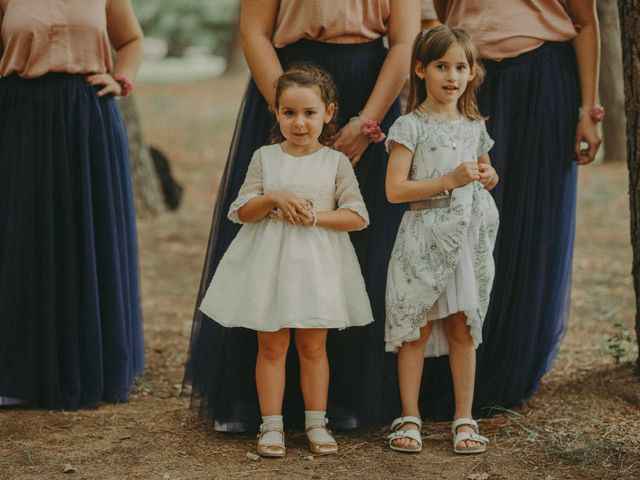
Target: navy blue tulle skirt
221,362
70,321
532,103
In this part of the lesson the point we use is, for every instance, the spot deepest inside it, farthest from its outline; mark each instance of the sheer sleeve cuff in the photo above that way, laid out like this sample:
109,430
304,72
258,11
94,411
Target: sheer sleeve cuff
239,202
360,209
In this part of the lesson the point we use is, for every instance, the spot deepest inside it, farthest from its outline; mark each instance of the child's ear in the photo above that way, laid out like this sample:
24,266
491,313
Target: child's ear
419,69
473,72
331,110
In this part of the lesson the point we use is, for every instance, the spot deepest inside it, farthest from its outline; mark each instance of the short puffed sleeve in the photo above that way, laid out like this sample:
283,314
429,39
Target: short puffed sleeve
485,142
251,188
405,132
348,194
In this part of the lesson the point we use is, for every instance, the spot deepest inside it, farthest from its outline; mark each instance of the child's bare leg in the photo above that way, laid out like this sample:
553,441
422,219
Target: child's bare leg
410,365
314,367
462,360
314,381
270,370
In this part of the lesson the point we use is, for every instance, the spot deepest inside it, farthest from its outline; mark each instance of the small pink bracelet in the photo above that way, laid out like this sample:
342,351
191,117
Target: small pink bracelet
126,87
596,113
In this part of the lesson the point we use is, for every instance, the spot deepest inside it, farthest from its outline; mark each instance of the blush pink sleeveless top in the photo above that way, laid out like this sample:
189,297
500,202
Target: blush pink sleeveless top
507,28
42,36
331,21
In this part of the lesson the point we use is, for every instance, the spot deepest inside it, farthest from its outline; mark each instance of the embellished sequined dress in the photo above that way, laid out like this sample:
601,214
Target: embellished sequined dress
275,275
442,261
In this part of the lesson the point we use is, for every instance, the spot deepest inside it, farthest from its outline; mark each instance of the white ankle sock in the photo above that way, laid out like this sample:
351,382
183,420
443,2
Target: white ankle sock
272,436
315,418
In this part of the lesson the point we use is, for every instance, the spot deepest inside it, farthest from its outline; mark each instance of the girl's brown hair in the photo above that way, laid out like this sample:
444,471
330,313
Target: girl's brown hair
432,45
309,75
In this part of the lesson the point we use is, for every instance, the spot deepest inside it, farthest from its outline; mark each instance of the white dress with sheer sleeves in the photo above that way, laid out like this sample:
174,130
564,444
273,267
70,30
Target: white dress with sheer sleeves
276,275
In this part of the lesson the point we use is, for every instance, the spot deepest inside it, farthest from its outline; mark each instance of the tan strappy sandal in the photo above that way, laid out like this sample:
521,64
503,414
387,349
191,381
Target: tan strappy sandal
321,448
271,449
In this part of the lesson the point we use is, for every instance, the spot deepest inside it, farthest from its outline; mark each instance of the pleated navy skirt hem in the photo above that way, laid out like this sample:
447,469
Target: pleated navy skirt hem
69,306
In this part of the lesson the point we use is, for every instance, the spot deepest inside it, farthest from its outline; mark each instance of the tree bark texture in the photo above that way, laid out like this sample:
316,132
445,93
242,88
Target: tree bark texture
236,64
629,11
611,83
149,200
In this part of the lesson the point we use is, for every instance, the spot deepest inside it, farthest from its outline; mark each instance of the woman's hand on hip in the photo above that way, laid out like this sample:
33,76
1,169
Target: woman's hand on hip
353,146
110,85
587,132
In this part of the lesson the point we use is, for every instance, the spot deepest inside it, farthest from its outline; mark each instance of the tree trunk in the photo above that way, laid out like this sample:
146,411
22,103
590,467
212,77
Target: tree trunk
236,64
149,200
611,83
630,36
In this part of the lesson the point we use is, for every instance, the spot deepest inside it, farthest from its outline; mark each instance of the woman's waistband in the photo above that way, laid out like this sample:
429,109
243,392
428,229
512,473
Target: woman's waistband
52,78
547,48
306,47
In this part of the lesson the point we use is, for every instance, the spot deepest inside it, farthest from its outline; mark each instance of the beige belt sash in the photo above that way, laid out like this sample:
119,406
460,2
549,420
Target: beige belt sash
428,203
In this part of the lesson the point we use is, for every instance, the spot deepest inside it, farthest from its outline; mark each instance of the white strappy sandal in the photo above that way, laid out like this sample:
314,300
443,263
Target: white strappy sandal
462,436
397,434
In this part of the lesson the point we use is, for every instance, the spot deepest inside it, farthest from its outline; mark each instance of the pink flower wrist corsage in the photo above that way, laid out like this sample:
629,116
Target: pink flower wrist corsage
595,113
368,128
126,87
371,129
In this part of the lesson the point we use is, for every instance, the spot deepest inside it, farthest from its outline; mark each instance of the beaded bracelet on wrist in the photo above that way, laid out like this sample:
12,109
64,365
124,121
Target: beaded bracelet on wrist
126,87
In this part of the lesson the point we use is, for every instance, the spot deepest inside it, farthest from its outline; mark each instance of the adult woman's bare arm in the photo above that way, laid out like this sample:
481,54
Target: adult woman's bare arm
257,21
404,25
125,35
587,48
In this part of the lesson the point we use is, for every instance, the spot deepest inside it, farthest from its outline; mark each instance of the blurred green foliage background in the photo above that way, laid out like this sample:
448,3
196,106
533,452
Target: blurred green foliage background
183,23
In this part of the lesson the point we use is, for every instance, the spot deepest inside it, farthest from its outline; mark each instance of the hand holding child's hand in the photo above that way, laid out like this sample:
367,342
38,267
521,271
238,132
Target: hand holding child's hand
488,176
465,173
294,209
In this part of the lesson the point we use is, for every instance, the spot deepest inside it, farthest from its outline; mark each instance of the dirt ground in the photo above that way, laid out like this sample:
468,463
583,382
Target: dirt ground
582,424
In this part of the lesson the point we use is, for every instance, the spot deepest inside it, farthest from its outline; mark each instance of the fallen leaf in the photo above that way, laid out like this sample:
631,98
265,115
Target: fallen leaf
478,476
